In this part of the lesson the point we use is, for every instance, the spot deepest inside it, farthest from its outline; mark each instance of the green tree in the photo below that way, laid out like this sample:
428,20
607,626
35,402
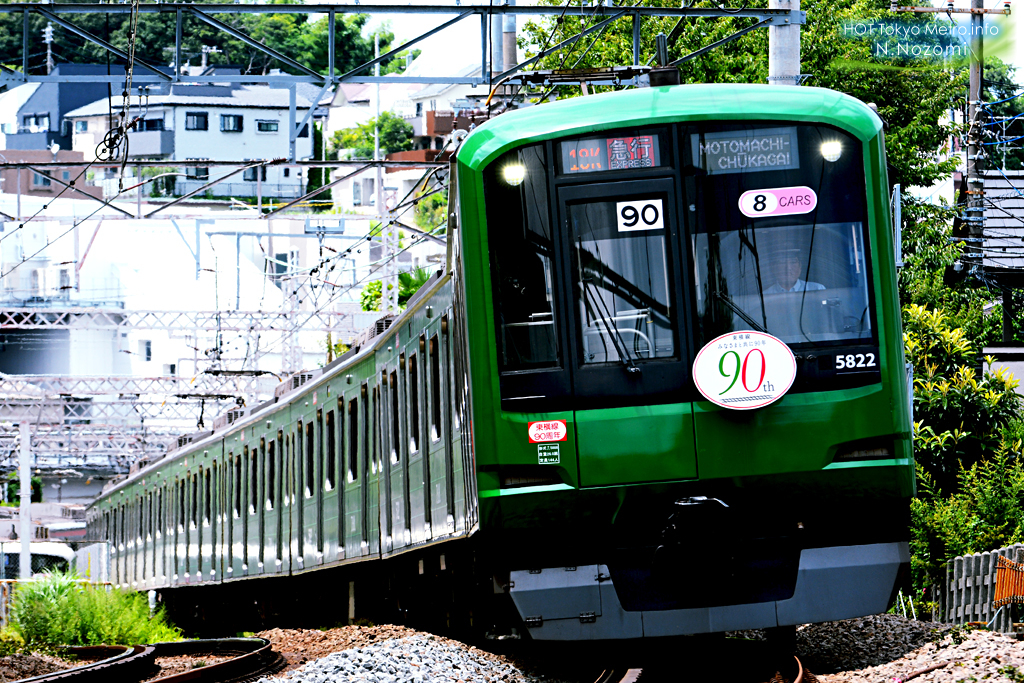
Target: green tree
432,209
395,136
318,177
291,34
409,283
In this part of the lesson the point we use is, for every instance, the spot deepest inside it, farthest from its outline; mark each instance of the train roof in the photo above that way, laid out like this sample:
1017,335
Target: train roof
651,106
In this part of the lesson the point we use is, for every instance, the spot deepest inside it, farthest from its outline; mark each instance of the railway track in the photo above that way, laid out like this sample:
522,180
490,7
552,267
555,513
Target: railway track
793,673
247,660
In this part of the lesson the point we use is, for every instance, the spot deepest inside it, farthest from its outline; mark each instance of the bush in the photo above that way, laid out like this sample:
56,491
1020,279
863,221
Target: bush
59,610
986,512
959,417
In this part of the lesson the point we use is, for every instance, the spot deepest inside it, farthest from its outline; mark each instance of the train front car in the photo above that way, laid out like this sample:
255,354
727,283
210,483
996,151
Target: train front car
607,240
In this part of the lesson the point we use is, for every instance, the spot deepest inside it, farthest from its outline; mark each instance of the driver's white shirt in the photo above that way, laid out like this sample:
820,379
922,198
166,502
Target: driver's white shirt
800,286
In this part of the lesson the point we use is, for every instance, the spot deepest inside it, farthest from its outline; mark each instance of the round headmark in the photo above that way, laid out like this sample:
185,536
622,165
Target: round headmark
744,370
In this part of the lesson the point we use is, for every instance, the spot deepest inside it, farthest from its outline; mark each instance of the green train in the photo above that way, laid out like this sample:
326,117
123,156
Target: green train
658,388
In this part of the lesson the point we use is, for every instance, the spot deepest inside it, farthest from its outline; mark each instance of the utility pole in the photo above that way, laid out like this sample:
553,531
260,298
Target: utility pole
25,509
974,211
48,39
388,233
784,48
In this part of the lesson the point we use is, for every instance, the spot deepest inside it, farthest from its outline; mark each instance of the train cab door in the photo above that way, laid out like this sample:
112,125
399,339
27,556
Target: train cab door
623,291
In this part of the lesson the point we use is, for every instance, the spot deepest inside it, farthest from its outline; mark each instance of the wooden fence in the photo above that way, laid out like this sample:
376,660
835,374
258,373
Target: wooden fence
971,588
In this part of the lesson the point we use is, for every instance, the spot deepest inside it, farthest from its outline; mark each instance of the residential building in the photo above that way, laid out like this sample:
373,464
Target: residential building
32,115
44,182
197,122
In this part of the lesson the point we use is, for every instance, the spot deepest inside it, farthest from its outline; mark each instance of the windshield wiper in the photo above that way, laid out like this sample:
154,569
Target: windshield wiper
613,330
724,298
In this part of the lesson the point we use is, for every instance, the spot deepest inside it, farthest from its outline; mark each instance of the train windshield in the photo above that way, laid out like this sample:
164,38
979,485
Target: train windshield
780,244
522,256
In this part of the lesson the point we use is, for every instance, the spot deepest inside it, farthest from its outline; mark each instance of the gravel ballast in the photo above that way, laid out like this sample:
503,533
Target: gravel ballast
416,658
877,649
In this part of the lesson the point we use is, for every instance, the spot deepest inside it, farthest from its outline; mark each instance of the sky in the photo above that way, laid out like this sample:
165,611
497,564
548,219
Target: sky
459,45
446,52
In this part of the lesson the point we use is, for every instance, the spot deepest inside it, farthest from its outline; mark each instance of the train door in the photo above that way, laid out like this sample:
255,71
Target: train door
333,529
255,507
354,474
194,568
384,508
437,435
398,490
319,482
223,514
270,508
374,476
209,524
309,488
629,363
416,463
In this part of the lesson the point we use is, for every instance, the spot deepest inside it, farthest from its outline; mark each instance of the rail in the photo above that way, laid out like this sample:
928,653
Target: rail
253,658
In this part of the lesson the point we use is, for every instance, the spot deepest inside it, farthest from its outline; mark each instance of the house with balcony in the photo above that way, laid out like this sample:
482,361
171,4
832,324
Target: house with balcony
32,116
187,122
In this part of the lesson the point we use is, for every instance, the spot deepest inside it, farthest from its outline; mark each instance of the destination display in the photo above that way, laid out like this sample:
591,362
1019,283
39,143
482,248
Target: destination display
610,154
746,151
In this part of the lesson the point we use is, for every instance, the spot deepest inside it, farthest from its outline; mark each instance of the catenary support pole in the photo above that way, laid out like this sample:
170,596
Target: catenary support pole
25,511
511,57
975,214
784,48
497,44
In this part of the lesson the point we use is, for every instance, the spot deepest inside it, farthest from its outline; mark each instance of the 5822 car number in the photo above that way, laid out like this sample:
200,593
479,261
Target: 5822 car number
855,361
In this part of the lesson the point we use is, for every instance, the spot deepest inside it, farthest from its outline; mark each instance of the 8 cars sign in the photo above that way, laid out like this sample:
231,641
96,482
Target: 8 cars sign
744,370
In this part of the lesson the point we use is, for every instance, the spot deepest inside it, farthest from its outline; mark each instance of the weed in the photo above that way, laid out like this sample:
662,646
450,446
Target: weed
58,610
1013,674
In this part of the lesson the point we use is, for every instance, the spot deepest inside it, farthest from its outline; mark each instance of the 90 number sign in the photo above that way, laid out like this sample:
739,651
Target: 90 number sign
744,370
641,214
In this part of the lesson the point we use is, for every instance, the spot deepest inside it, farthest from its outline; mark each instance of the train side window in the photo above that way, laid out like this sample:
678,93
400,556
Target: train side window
396,454
207,501
320,447
238,487
365,423
271,474
159,526
297,455
254,488
293,474
435,389
310,462
331,450
195,501
375,457
412,376
181,505
353,439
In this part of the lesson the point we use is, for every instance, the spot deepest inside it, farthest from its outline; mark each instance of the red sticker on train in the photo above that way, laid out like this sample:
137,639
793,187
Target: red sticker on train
549,430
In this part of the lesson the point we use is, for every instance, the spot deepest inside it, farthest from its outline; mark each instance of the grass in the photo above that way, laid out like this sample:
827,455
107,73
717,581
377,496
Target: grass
59,610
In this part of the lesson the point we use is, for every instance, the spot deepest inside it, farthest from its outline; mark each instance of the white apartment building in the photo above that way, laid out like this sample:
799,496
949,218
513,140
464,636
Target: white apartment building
198,122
